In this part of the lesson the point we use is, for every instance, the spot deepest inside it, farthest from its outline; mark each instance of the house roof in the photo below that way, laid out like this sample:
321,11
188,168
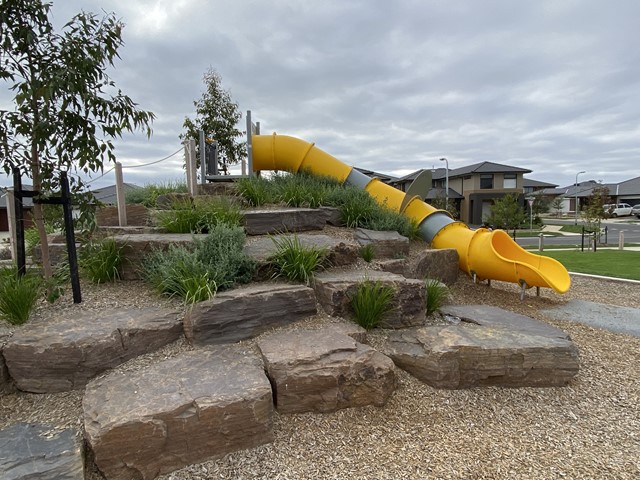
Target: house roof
107,195
384,177
486,167
26,202
439,193
530,182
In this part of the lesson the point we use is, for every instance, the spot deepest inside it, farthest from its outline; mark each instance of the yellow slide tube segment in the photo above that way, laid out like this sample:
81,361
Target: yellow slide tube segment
281,152
494,255
487,254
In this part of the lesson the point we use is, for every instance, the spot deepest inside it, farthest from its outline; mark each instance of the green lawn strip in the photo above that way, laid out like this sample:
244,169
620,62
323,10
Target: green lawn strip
575,245
609,263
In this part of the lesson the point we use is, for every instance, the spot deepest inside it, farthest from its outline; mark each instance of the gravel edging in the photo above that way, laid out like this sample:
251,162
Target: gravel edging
589,429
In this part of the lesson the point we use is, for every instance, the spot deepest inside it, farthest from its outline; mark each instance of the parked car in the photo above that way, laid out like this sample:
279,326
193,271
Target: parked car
635,210
617,209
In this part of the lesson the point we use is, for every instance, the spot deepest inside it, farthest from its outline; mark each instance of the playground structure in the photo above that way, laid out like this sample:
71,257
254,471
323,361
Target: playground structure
484,254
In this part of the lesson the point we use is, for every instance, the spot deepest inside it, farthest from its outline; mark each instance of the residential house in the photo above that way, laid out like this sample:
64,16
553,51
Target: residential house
627,191
474,188
27,208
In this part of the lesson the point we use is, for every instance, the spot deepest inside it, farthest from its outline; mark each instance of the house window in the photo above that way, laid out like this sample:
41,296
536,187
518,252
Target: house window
486,181
509,180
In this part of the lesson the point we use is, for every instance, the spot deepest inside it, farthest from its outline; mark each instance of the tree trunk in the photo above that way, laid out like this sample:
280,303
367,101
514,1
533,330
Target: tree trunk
38,217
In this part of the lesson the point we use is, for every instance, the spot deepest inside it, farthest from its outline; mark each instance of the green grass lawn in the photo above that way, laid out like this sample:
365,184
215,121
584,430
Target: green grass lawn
610,263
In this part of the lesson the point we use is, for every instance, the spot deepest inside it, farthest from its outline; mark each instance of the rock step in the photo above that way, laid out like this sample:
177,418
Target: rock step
63,354
35,451
334,291
324,371
384,244
260,221
202,404
488,347
246,312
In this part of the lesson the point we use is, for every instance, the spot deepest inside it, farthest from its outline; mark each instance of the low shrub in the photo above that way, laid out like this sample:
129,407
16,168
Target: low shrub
367,252
101,260
199,216
18,295
356,206
196,273
257,191
303,189
148,194
370,302
295,261
437,295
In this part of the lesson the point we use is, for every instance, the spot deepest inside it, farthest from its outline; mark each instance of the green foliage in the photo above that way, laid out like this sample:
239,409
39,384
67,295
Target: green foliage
384,219
556,205
593,212
437,295
101,260
370,302
194,274
506,213
199,216
356,206
18,295
149,194
217,115
303,189
440,203
257,191
65,110
367,252
295,261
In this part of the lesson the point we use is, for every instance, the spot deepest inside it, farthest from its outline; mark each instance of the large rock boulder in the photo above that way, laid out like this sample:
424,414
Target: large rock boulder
202,404
65,353
6,385
495,348
384,244
268,221
339,252
34,452
439,264
135,247
323,371
137,214
334,291
247,312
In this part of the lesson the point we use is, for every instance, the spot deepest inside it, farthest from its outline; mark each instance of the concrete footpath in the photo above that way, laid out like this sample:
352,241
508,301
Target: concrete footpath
609,317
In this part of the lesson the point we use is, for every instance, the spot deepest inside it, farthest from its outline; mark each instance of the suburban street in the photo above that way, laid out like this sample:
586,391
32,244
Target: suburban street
614,227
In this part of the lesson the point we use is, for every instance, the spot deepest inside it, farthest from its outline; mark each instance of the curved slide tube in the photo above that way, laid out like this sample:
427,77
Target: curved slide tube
484,254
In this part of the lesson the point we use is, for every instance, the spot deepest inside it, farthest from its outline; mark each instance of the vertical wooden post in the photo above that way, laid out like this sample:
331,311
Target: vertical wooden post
122,204
187,165
621,240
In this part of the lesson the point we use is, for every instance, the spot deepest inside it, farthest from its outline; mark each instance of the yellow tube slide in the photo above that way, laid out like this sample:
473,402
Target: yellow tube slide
483,253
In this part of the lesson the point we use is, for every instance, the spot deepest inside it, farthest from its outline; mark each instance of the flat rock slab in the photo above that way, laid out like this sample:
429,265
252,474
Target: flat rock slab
384,244
200,405
441,264
495,354
65,353
334,291
489,316
339,252
609,317
247,312
280,220
35,451
324,370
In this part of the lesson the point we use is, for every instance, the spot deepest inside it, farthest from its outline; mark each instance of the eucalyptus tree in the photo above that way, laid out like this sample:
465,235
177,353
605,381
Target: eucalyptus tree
65,108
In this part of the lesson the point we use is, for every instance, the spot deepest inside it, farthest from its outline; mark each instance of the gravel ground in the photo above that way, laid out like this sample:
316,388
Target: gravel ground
589,429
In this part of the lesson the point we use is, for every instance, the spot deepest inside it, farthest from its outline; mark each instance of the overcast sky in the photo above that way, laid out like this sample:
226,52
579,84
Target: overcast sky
548,85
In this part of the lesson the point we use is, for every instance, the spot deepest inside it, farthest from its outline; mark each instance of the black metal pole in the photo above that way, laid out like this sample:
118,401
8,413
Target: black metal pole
70,235
582,240
21,256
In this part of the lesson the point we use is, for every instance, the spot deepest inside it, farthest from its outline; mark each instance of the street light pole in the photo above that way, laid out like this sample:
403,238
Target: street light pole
576,219
446,183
